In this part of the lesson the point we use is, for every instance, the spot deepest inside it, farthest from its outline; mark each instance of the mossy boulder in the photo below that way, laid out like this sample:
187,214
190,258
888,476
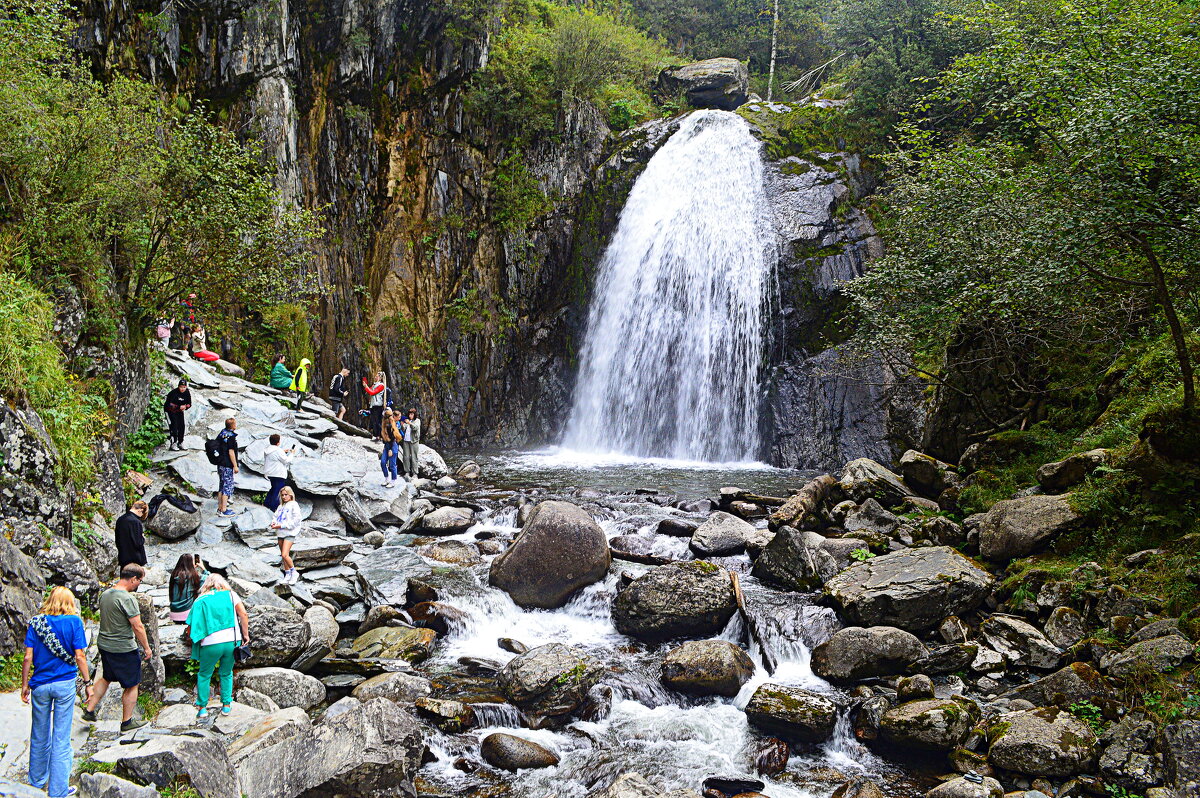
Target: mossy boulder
1046,741
681,599
707,667
550,680
792,713
396,642
929,724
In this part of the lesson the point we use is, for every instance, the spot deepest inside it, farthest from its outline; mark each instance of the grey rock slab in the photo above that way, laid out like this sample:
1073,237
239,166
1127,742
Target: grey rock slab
722,534
106,785
162,760
1046,741
195,470
320,477
384,573
313,551
1020,643
284,686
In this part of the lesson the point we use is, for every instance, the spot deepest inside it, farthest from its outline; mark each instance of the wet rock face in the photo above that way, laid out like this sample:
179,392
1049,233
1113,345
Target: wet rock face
792,713
21,583
550,680
707,667
28,491
856,653
559,550
676,600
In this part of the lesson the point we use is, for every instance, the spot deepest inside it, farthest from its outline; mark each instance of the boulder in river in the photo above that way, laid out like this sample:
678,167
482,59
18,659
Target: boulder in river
448,521
383,575
403,688
802,560
713,83
792,713
929,724
857,653
681,599
722,534
864,478
396,642
1017,527
912,589
1046,741
549,680
509,752
707,667
560,550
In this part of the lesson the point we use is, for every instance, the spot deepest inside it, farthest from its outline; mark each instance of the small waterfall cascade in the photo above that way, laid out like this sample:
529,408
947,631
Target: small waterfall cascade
675,337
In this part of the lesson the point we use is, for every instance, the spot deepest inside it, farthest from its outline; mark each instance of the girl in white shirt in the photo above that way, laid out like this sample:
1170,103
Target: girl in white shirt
287,527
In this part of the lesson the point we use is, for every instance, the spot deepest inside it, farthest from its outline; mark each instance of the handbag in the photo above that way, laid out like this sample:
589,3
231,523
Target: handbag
241,651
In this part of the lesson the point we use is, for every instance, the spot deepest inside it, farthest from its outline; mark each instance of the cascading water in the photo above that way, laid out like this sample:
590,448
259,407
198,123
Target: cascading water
675,338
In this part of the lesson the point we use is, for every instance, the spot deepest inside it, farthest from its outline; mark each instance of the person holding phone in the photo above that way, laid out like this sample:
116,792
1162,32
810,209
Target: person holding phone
276,461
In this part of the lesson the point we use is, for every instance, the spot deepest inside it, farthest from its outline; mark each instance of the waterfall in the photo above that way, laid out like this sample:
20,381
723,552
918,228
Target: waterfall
675,339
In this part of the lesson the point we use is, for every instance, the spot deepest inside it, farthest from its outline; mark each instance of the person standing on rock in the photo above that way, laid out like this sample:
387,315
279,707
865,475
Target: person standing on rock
412,444
300,382
131,536
185,584
391,444
121,633
176,403
378,398
287,527
280,376
275,468
55,650
227,466
217,624
337,392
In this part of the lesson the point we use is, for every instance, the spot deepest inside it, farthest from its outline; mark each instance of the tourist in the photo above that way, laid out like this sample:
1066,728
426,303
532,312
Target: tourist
176,403
287,527
199,339
378,394
227,465
300,382
412,444
121,633
280,376
185,584
275,468
131,537
163,332
217,624
55,650
391,446
337,392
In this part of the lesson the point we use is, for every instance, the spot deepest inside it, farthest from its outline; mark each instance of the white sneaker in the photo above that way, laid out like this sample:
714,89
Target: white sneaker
293,576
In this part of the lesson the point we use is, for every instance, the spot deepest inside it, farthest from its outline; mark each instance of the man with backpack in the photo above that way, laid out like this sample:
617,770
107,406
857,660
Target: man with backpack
222,452
337,392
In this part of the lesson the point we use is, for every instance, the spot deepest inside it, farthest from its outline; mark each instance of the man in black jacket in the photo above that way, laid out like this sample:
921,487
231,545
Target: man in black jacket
177,401
337,392
131,540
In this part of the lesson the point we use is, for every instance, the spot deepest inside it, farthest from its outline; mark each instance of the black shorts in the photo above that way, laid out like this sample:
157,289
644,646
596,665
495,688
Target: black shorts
124,668
337,404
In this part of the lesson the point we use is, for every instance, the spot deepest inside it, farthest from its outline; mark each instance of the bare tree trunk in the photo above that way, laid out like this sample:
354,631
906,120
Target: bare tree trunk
1177,334
774,43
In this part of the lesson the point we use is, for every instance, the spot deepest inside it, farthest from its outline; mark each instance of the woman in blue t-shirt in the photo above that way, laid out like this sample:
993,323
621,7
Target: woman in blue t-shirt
54,652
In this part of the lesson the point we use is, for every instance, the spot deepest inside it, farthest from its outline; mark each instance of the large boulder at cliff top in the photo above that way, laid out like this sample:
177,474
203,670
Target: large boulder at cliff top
713,83
913,588
558,551
20,589
930,724
368,748
792,713
864,479
1047,741
1017,527
802,560
165,760
509,752
856,653
681,599
172,523
549,680
722,534
707,667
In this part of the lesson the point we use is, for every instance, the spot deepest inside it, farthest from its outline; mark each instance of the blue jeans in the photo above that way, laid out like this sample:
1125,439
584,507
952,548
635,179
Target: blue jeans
50,739
387,460
272,500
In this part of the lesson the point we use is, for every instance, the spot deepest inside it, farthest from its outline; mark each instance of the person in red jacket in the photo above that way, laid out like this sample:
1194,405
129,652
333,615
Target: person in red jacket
378,394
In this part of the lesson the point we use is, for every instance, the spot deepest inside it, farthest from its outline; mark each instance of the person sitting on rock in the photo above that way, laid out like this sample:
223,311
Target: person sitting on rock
287,526
131,537
217,624
280,376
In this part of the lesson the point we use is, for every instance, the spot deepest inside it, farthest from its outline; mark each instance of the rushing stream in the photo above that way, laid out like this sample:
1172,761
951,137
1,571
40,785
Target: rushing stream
673,740
675,339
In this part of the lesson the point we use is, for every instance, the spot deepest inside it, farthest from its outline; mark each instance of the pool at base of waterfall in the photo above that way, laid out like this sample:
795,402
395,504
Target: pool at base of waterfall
631,722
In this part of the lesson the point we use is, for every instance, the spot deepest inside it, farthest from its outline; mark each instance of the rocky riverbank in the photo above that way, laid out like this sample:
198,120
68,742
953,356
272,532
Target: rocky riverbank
452,638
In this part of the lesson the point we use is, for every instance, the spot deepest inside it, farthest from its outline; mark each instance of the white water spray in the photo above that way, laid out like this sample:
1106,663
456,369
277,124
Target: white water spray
675,339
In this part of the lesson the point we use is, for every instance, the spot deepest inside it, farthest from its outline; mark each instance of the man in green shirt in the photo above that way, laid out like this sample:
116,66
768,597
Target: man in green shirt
121,633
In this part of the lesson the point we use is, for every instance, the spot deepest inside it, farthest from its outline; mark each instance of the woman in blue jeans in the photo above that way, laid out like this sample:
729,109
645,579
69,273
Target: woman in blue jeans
389,460
54,652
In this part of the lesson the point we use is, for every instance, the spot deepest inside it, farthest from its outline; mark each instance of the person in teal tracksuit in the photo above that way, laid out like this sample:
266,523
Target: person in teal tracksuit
280,376
217,623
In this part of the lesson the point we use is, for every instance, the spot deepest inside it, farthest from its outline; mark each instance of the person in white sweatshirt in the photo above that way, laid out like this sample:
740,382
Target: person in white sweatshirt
275,468
287,525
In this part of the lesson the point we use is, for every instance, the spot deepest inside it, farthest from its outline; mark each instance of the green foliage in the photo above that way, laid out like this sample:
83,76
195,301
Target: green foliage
548,55
1090,714
149,706
33,370
179,789
475,313
861,555
516,199
10,671
92,766
149,435
1117,791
